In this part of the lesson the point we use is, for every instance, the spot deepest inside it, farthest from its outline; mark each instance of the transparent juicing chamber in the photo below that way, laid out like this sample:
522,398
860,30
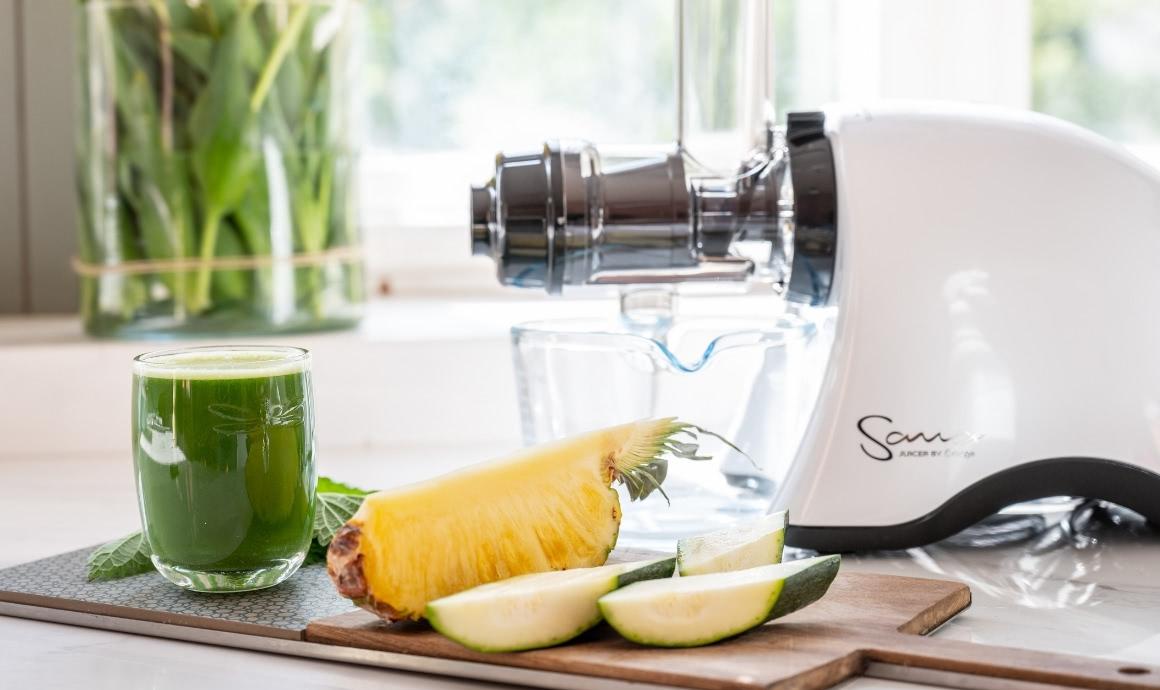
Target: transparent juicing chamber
745,378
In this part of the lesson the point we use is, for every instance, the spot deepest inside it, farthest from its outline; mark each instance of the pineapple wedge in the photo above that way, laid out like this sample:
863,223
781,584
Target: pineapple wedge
549,507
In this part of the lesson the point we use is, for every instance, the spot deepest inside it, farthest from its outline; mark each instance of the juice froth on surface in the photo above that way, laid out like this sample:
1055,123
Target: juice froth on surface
222,363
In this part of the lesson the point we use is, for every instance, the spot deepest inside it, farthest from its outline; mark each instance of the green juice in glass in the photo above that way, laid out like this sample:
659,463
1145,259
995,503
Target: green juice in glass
223,447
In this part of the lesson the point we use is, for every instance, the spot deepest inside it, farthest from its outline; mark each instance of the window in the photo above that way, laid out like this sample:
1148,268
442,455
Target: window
447,83
1097,63
1093,62
450,82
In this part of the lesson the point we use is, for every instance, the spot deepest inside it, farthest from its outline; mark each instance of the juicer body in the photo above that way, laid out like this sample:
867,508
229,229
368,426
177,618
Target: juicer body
997,335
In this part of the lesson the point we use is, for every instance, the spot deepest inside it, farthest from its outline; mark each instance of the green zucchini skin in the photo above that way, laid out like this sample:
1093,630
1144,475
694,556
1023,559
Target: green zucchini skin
804,588
649,571
785,595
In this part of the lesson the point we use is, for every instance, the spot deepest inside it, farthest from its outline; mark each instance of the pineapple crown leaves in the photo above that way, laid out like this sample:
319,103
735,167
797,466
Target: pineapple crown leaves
644,462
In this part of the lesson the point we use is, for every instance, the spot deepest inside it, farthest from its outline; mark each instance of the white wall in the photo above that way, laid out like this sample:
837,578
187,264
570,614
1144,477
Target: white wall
37,199
11,192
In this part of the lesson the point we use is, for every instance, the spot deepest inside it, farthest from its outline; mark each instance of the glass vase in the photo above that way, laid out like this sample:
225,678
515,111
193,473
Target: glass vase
216,167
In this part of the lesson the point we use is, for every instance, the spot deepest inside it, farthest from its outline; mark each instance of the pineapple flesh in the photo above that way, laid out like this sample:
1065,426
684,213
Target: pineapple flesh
549,507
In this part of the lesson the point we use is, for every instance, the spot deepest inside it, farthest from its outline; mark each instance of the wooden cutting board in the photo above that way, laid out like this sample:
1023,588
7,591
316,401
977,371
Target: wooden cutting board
865,623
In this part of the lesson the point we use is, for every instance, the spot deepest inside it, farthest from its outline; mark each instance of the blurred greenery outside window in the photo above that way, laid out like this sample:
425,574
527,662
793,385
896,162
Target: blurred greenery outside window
448,83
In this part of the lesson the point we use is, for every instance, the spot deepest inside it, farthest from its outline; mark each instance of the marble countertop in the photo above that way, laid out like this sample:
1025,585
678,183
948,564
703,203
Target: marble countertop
1090,591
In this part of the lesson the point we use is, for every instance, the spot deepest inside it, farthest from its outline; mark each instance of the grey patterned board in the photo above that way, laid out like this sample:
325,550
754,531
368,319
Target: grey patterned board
58,582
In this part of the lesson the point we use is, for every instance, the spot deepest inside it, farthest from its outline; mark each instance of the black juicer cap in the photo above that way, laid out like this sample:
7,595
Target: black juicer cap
815,243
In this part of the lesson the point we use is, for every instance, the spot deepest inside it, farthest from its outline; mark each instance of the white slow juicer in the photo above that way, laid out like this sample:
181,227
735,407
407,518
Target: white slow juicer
992,280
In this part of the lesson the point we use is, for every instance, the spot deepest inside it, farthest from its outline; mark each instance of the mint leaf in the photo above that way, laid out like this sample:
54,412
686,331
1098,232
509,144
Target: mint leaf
122,557
315,555
326,485
336,503
331,511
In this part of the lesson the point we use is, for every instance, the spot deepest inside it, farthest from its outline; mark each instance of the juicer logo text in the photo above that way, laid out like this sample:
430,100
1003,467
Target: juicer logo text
885,442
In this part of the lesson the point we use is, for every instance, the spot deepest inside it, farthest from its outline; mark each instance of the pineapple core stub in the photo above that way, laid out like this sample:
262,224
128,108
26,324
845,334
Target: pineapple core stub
546,508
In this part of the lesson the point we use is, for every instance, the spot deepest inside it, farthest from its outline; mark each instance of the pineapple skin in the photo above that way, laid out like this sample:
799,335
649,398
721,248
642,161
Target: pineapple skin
549,507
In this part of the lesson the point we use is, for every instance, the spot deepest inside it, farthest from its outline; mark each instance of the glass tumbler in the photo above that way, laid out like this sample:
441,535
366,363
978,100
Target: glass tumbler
746,379
223,449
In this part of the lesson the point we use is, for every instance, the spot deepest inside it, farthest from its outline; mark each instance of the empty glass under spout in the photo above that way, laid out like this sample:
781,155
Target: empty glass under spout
740,377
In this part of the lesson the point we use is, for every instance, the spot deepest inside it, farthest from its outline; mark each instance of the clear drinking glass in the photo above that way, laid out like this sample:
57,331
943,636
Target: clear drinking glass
744,378
223,449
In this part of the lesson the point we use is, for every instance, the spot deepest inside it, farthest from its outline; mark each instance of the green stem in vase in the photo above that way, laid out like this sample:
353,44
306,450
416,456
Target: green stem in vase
209,233
214,215
174,196
278,55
